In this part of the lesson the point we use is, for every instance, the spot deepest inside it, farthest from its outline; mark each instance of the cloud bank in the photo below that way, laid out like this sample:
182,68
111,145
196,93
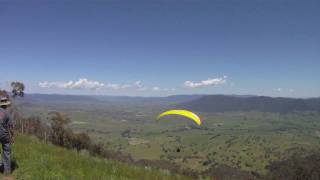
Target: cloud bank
85,84
82,83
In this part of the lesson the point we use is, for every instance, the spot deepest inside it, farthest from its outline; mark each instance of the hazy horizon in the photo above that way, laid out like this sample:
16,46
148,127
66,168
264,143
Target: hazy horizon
130,96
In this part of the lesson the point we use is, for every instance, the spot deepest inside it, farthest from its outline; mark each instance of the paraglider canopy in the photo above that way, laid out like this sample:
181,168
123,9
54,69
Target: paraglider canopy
184,113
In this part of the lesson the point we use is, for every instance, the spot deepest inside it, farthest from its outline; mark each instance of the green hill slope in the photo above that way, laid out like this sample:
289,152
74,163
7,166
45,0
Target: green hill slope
36,160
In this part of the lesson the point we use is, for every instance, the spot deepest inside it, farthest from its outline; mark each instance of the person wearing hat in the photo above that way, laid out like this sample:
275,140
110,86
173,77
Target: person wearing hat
6,133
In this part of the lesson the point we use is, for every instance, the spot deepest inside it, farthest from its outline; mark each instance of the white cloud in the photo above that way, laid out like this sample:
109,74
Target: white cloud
82,83
117,86
156,88
285,90
47,84
113,86
169,89
138,84
205,83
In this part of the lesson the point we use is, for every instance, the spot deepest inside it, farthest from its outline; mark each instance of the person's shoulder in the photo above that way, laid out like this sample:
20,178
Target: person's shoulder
3,113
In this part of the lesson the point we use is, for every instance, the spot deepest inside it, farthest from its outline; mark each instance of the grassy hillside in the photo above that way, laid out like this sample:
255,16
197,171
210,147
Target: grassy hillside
36,160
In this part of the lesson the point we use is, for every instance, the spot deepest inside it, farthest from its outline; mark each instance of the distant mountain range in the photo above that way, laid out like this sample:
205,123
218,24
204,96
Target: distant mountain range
224,103
57,98
201,103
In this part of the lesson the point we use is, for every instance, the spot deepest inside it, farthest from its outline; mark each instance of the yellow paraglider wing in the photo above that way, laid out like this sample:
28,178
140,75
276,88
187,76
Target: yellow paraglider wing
184,113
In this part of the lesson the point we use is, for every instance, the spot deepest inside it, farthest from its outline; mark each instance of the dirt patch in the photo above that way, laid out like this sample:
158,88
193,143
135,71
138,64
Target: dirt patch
137,141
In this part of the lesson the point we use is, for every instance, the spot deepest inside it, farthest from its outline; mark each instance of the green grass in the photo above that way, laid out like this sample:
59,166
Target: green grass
37,160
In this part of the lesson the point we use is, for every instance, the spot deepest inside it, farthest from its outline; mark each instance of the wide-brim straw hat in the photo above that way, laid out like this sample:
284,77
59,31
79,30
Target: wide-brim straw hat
4,101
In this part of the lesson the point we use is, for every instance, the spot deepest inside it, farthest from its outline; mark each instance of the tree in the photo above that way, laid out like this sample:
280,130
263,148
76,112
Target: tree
17,89
58,123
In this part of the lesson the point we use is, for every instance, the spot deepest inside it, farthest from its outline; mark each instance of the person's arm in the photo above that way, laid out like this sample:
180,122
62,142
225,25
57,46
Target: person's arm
10,128
11,135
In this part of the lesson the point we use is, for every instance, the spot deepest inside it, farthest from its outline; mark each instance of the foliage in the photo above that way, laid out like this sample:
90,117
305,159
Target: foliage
17,89
306,168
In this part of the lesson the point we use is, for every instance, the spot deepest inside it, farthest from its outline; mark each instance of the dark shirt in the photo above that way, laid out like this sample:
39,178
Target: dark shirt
6,123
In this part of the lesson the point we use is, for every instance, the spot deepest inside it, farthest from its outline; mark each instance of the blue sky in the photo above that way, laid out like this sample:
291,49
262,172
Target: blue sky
159,48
